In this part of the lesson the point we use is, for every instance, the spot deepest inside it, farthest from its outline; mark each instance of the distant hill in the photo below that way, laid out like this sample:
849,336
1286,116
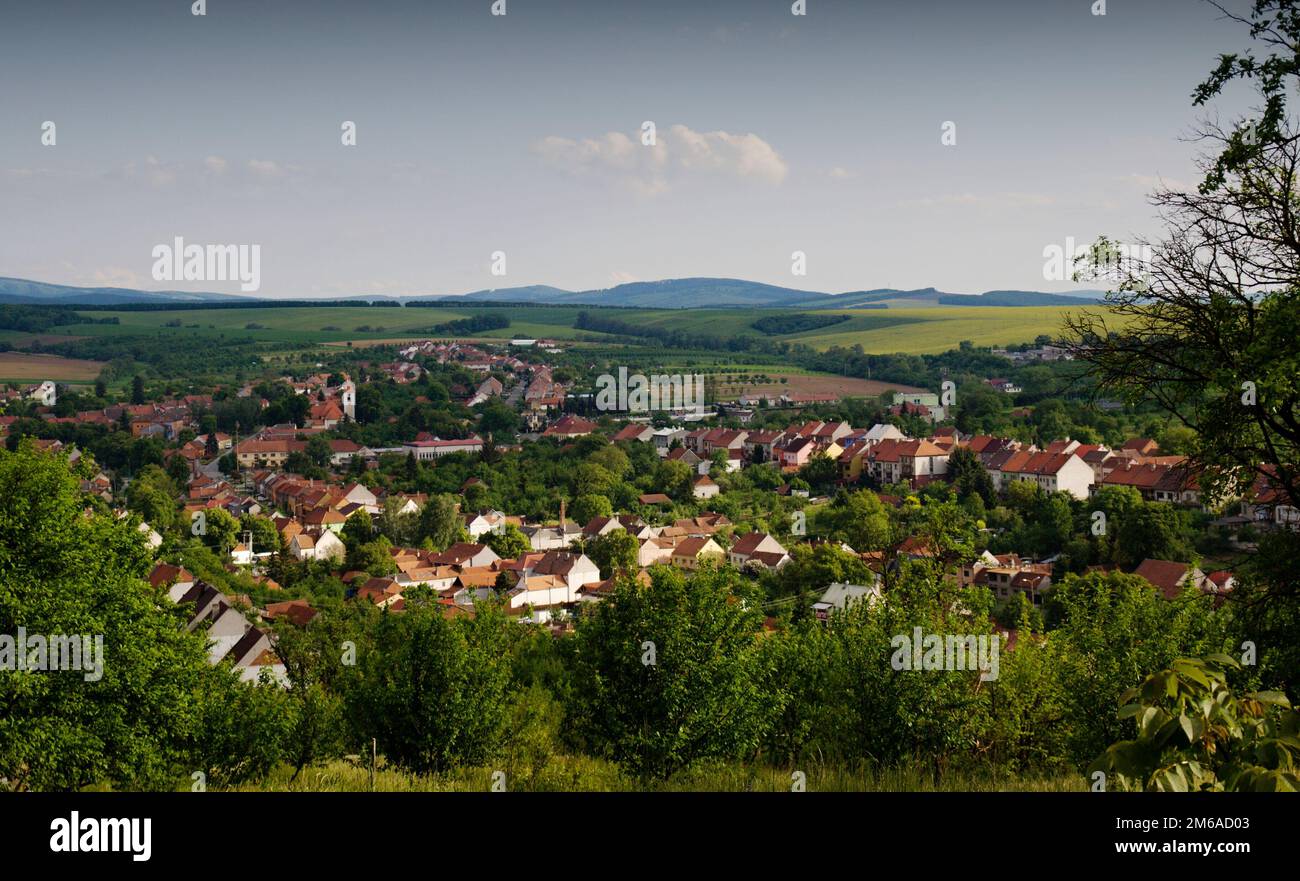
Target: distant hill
19,290
677,293
1021,298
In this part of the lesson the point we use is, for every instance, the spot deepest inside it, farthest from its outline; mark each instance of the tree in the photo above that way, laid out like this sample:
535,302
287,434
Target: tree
614,552
357,529
588,507
178,469
508,542
222,529
1207,329
665,675
860,519
373,557
265,535
968,476
1195,734
136,719
152,495
440,522
1108,628
318,450
137,389
434,690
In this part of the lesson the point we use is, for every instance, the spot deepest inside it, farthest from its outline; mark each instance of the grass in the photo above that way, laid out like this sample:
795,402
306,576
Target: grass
914,330
582,774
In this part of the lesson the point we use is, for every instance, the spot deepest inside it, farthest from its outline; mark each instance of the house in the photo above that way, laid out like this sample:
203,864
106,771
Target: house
1008,574
466,554
634,432
569,426
654,499
705,487
1139,447
330,547
547,538
1170,578
45,393
427,450
383,592
358,494
551,582
795,452
758,548
1054,472
758,444
654,551
177,579
682,454
319,520
904,461
480,524
300,612
599,526
303,546
1156,481
253,656
691,553
839,597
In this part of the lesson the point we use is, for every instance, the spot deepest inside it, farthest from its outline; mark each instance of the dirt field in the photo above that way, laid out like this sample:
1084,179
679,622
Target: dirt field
26,367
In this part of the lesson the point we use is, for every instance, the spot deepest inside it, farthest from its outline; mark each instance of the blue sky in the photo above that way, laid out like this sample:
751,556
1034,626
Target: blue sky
775,133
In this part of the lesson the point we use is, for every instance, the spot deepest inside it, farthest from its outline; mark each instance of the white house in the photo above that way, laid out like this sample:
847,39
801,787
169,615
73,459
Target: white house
705,488
46,393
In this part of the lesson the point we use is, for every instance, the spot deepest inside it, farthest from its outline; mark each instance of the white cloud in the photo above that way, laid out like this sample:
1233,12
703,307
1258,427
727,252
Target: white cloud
677,153
264,168
215,164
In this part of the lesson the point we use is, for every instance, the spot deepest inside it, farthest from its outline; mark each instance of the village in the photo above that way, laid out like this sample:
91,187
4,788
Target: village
543,575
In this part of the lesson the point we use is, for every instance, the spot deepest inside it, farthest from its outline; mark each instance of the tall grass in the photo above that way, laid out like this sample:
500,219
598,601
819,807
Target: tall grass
583,774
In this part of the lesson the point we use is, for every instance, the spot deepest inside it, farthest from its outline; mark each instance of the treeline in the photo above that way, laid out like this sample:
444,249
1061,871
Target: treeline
194,357
473,324
774,325
39,319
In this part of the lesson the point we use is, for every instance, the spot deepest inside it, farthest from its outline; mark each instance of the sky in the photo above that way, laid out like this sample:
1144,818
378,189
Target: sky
475,134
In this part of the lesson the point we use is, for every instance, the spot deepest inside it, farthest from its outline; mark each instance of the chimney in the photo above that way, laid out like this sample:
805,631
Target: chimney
562,507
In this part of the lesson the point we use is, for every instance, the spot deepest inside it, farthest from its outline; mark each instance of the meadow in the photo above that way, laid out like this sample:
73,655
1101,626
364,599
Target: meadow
916,330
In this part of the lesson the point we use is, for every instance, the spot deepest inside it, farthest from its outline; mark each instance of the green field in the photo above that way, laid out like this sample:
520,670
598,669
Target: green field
917,330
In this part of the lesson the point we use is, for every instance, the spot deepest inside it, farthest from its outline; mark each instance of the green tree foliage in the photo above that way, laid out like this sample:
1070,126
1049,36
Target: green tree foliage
860,520
1194,734
588,507
665,675
440,522
508,542
1110,628
613,552
140,724
434,690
